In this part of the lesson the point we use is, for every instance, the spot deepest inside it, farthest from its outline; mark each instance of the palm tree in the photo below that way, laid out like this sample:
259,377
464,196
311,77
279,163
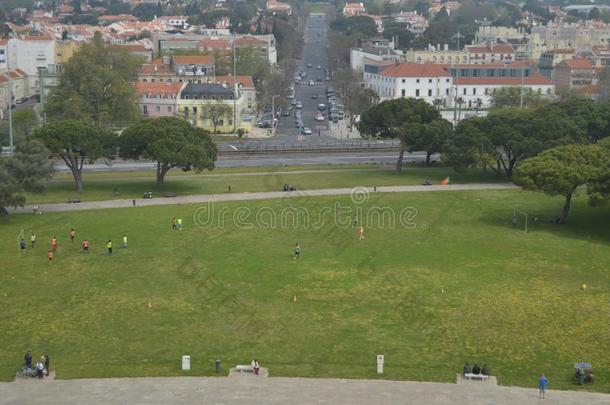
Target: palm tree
478,105
460,101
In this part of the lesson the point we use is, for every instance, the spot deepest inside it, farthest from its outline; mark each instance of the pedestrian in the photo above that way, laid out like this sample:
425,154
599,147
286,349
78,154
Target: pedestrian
72,235
46,362
543,382
54,243
179,224
109,247
514,221
174,224
133,202
50,256
33,239
125,241
361,232
22,245
297,251
85,246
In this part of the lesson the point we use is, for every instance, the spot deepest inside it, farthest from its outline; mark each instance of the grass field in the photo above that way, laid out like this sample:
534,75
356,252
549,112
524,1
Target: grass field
100,186
461,286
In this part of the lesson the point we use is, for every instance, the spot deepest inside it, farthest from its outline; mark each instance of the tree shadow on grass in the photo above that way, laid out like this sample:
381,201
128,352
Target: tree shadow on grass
584,222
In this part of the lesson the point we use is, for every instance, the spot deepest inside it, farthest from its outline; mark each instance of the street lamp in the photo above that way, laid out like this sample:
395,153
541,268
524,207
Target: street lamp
273,110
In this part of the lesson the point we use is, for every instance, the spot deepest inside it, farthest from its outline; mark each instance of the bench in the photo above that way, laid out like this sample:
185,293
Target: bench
244,369
471,376
170,194
73,200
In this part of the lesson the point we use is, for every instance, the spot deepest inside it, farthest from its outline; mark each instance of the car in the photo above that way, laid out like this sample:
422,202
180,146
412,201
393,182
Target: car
299,105
319,79
293,102
286,113
319,67
314,96
306,131
309,65
321,107
319,117
290,96
312,83
327,78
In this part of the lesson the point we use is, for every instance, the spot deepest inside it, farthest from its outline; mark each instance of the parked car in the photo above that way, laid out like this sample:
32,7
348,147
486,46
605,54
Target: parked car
321,107
312,83
314,96
286,113
319,67
309,65
306,131
299,105
319,117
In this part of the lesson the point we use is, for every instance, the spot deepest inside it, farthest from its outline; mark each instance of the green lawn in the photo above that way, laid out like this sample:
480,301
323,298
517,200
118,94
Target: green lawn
461,286
100,186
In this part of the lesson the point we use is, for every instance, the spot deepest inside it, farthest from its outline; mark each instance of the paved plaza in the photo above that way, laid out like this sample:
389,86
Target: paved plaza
223,390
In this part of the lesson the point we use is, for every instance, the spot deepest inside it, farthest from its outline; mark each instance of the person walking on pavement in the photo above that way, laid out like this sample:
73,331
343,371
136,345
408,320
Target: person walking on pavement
543,382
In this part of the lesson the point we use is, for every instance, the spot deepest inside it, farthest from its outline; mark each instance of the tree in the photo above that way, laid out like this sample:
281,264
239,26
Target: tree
468,146
428,137
96,86
560,171
77,142
25,121
598,187
511,97
31,166
170,142
10,190
388,120
217,112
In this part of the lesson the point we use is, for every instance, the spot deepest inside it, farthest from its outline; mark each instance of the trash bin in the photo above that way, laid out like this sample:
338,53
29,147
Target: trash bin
217,366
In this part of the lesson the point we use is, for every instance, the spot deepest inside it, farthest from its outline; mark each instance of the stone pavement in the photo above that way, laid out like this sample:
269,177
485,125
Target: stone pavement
221,390
204,198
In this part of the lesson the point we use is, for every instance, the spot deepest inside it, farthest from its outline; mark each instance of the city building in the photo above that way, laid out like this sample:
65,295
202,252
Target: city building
275,6
359,57
196,105
179,69
490,52
427,81
158,99
245,86
354,9
433,55
574,74
549,59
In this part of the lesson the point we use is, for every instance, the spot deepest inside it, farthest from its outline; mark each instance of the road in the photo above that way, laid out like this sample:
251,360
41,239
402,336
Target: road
315,54
279,159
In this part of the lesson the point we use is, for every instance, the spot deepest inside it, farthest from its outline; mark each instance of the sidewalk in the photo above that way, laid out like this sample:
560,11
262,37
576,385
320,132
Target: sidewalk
220,390
204,198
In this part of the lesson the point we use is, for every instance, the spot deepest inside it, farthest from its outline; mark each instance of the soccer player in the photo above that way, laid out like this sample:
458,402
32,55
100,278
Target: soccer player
361,232
22,245
174,224
125,241
50,256
72,235
109,247
85,246
33,239
297,251
179,224
54,244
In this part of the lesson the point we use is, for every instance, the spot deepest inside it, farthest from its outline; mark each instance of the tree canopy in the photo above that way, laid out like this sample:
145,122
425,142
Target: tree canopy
95,86
77,142
170,142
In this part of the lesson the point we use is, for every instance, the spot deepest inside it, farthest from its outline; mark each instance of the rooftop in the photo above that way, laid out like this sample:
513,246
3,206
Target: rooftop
160,88
193,60
208,89
415,70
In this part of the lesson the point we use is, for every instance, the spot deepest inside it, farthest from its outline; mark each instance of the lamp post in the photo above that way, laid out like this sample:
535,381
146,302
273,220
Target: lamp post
457,36
273,111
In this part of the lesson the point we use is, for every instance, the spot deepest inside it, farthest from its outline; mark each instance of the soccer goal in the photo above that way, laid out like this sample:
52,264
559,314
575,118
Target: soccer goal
20,235
517,213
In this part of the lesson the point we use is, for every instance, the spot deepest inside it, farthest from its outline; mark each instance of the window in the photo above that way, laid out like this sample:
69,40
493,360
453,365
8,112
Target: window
417,93
446,92
429,80
486,91
447,80
417,81
429,92
145,110
464,90
474,91
169,108
404,80
403,92
158,108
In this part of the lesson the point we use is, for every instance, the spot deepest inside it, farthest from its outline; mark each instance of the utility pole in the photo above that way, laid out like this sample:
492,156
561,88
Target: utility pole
10,102
457,36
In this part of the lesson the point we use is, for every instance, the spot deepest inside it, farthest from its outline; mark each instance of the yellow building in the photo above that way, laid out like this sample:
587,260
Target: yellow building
436,56
211,105
64,50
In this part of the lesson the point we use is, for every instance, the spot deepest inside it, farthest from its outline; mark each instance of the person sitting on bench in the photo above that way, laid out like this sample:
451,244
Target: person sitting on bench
485,370
39,369
467,369
255,366
27,359
476,369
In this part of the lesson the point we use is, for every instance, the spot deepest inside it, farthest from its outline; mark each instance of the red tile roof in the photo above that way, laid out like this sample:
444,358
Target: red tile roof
214,44
135,48
37,38
3,41
415,70
155,89
245,81
120,17
194,59
563,51
535,79
249,41
152,69
577,63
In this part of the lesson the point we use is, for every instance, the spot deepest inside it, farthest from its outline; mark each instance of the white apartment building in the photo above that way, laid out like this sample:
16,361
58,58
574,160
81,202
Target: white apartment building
31,54
427,81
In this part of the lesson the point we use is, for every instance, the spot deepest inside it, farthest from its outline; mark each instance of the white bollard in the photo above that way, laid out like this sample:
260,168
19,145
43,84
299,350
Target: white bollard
186,363
380,364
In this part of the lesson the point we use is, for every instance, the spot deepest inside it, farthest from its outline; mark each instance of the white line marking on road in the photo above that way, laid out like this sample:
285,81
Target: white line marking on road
233,147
